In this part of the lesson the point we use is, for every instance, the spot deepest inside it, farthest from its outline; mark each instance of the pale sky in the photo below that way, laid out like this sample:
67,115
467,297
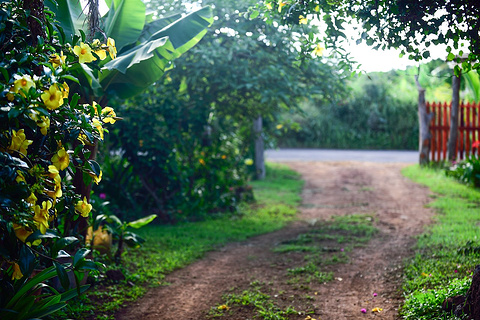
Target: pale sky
377,60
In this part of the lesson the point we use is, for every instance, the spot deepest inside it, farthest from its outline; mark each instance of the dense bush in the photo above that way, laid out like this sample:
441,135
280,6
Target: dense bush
186,145
467,171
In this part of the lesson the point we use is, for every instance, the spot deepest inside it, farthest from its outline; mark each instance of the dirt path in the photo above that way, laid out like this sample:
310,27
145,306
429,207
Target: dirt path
332,188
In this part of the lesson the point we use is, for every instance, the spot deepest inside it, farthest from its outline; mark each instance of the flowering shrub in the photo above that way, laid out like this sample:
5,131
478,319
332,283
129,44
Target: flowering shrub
467,171
48,136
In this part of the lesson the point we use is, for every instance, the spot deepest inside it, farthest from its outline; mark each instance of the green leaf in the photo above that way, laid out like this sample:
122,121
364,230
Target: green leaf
79,255
152,27
69,14
71,78
39,235
4,72
62,275
254,14
74,101
142,222
46,274
124,21
95,167
27,259
450,57
62,243
87,265
133,240
72,293
135,69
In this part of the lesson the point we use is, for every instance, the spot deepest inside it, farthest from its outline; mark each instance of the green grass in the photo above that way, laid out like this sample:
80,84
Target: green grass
327,244
255,298
172,247
446,254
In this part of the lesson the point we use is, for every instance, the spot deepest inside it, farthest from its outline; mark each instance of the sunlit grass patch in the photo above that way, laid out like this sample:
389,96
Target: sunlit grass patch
446,253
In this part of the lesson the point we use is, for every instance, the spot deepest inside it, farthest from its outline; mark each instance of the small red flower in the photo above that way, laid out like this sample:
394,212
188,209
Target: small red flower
476,144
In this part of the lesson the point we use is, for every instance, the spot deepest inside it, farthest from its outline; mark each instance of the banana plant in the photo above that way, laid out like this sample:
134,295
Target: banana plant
146,49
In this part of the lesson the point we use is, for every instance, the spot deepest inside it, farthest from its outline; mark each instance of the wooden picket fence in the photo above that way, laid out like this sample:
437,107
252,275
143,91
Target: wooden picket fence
468,129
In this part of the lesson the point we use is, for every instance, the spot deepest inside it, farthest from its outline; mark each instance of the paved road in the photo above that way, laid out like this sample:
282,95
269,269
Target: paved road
341,155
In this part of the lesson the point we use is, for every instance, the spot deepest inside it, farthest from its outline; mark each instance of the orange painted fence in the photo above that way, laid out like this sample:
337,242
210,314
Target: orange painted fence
468,129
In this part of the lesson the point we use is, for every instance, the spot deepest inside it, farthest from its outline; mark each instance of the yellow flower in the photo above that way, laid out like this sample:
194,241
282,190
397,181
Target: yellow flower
83,207
318,51
20,177
302,20
42,216
269,5
53,171
202,162
109,115
224,156
279,126
98,178
21,232
97,124
20,142
84,139
317,8
248,162
65,90
84,53
23,84
281,4
377,309
32,199
112,50
17,274
61,160
53,97
223,307
54,174
57,60
97,47
43,122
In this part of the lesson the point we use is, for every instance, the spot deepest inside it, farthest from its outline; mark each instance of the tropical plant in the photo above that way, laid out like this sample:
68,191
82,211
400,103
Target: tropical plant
146,47
46,134
50,125
120,231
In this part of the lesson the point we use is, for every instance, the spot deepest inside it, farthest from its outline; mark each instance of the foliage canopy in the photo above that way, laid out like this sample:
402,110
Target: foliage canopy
411,25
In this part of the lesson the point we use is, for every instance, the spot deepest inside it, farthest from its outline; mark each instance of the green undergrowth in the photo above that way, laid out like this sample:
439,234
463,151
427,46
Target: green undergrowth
170,247
446,254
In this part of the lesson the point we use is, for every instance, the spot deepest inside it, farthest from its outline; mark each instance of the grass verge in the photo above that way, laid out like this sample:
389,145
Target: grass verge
446,254
172,247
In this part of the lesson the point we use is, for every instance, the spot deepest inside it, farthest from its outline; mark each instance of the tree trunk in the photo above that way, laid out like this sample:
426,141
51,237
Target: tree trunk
453,135
35,20
259,149
424,118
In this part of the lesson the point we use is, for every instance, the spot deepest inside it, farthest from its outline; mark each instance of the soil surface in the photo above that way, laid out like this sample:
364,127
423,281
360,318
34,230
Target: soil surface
331,188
